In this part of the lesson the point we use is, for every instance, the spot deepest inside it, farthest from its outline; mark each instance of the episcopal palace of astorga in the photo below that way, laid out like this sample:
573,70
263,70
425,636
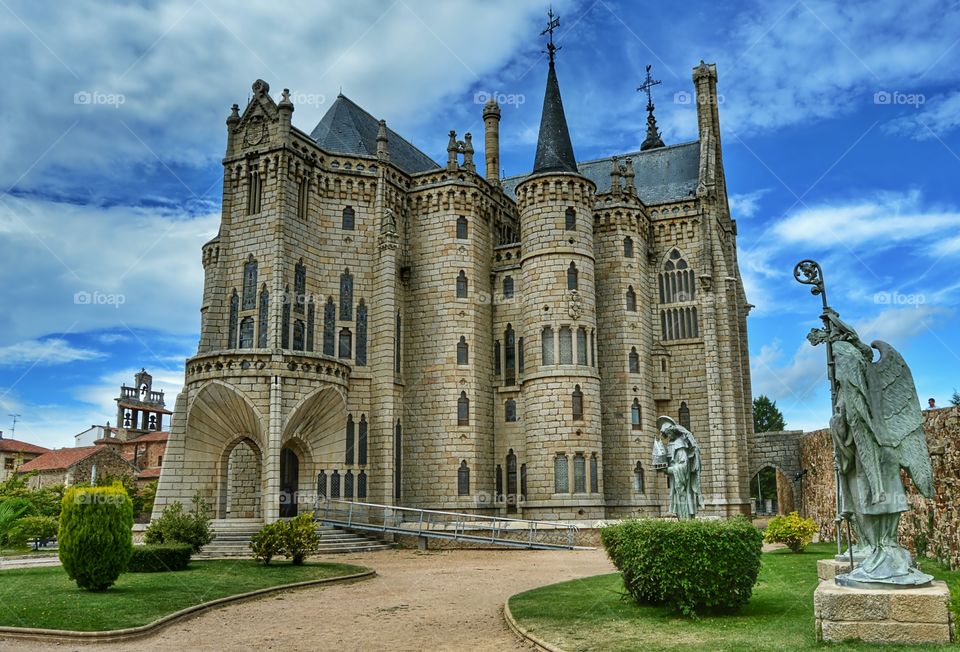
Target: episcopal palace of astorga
381,328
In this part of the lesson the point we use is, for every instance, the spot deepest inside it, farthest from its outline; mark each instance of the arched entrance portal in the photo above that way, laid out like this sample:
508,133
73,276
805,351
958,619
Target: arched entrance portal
771,492
289,482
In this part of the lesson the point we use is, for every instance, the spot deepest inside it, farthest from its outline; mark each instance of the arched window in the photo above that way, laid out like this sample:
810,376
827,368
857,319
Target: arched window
463,351
511,481
348,219
638,478
634,360
329,326
510,351
254,192
463,410
676,281
246,333
546,339
362,441
335,484
582,346
303,195
299,286
348,484
577,403
579,474
497,369
397,460
346,295
285,319
397,348
507,287
345,344
561,478
679,323
234,311
684,414
463,479
299,331
594,474
520,355
361,356
250,284
566,345
462,285
510,411
635,415
570,218
311,314
631,299
362,484
523,482
498,480
628,247
462,231
573,277
322,484
348,457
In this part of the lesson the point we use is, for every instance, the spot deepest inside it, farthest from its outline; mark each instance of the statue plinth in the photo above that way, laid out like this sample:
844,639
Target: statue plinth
827,569
906,616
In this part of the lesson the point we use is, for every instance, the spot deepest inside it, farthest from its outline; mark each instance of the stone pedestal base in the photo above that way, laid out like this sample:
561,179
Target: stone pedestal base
827,569
908,616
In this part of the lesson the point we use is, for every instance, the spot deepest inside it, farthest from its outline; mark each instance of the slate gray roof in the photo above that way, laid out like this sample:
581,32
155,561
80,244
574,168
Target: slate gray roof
554,149
661,175
347,129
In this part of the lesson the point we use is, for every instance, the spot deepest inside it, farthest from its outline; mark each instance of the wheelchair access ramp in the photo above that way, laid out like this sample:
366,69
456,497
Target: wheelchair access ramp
451,526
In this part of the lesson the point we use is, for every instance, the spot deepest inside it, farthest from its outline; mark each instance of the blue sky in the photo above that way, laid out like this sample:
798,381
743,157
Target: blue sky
841,134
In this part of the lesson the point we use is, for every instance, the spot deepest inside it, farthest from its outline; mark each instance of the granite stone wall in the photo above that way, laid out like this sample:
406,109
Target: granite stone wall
931,528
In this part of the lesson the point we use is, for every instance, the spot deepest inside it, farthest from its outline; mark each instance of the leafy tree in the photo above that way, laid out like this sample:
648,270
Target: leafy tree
175,525
766,416
955,398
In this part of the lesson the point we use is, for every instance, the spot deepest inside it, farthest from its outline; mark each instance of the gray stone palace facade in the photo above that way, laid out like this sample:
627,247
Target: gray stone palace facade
378,327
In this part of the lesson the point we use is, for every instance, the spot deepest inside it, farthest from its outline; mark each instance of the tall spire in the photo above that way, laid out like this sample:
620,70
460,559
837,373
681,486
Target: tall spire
554,149
653,134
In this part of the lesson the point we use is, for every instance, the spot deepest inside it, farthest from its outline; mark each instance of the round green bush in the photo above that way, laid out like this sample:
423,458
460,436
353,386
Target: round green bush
794,530
160,558
96,539
689,566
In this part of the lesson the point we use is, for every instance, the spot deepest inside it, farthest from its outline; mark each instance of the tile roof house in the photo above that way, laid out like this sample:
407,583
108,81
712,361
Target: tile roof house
14,453
70,466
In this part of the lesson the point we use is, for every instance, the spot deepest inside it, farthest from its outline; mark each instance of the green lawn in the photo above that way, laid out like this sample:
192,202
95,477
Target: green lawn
592,614
45,597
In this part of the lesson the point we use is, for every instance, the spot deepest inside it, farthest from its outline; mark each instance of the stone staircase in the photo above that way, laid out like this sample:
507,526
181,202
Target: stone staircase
233,540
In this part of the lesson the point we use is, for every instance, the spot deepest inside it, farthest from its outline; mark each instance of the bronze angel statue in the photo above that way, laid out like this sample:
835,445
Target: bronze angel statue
877,430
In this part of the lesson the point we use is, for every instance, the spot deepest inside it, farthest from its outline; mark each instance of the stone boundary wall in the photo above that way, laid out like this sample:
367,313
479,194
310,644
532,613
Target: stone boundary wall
931,528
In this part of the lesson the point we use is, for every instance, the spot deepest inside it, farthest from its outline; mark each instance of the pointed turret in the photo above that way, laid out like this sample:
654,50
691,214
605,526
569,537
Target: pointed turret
554,149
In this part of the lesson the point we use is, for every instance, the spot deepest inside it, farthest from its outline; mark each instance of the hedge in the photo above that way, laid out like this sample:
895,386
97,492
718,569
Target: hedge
690,566
160,558
95,539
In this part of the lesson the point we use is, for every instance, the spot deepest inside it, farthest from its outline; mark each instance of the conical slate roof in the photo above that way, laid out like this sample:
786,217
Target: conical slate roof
554,150
347,129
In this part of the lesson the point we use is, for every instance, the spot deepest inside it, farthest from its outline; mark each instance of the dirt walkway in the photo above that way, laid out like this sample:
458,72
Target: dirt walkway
450,600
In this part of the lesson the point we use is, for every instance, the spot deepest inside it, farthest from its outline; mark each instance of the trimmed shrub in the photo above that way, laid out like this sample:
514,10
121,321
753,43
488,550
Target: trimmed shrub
39,528
177,526
95,539
160,558
795,531
690,566
267,543
294,539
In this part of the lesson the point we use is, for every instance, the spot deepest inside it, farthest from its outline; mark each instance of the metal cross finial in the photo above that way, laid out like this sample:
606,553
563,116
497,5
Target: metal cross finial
648,83
553,22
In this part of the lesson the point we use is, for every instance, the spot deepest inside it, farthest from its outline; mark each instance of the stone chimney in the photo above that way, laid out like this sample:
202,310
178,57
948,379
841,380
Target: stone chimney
491,140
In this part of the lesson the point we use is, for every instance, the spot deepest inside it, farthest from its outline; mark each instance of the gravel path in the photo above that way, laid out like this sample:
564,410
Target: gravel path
449,600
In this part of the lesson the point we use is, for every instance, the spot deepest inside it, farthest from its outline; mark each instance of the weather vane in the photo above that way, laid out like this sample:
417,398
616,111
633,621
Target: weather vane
553,22
648,83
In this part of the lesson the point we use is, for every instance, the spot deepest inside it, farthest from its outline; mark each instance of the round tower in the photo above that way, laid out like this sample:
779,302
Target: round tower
561,388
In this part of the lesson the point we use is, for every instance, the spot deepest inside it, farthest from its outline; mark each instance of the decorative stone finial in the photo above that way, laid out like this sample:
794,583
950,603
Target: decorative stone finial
234,117
285,99
260,87
653,133
383,152
452,151
628,175
615,175
468,152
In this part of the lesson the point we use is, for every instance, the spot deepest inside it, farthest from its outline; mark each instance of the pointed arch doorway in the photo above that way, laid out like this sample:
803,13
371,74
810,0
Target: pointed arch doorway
289,482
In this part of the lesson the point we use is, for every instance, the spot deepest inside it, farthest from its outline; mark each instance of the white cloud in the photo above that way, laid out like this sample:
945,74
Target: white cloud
746,204
896,325
48,351
72,269
936,117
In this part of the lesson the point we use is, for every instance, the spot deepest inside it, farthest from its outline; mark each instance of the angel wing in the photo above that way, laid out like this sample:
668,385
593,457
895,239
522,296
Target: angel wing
853,385
901,416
